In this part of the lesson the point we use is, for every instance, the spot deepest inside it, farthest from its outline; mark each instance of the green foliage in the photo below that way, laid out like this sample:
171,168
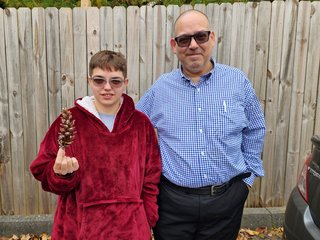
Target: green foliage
2,4
101,3
97,3
126,3
39,3
172,2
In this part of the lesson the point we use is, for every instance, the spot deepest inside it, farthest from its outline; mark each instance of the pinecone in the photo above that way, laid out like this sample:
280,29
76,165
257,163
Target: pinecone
67,129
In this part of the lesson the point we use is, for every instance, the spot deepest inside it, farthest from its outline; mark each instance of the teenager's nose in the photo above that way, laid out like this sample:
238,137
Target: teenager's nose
107,85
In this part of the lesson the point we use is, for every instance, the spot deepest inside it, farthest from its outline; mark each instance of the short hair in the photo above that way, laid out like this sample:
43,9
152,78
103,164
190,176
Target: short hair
108,60
188,11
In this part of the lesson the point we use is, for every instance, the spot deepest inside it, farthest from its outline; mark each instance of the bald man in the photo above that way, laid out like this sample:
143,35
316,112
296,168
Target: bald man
211,130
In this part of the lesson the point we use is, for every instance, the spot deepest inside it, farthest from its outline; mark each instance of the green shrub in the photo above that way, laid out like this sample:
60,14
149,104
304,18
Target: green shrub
100,3
44,4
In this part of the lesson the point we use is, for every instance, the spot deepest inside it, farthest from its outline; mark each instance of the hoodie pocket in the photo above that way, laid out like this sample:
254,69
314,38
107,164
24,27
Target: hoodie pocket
119,219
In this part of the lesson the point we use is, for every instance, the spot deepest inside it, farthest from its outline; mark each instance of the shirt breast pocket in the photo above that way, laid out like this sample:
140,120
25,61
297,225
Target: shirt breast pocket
227,121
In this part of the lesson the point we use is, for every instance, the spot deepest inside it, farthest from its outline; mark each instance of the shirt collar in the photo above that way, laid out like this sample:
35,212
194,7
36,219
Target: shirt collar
205,76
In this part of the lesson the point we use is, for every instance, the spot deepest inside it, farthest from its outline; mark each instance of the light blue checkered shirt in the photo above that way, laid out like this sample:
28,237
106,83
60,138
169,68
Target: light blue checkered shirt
210,132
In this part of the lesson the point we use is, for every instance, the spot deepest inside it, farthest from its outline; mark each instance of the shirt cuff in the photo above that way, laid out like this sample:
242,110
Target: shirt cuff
250,180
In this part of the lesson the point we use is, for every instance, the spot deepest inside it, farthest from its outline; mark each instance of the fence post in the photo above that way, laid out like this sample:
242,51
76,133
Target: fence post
85,3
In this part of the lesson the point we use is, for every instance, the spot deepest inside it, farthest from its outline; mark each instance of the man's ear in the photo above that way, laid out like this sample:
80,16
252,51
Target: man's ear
173,45
213,37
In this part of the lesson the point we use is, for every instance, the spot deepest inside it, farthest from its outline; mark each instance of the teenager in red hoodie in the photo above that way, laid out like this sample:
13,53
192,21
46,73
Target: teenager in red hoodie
107,178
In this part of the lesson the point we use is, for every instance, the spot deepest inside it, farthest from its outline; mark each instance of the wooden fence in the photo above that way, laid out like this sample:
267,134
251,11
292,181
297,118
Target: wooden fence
43,67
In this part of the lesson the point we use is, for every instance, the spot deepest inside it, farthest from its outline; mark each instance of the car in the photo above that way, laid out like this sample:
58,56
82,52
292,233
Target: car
302,214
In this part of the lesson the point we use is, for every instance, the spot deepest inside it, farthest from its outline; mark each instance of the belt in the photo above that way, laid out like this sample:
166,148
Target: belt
207,190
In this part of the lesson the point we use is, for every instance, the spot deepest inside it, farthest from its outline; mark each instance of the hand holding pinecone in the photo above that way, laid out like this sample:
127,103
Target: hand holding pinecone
67,129
65,165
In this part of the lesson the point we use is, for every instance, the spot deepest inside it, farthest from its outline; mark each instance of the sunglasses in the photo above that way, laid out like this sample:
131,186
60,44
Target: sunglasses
199,37
101,81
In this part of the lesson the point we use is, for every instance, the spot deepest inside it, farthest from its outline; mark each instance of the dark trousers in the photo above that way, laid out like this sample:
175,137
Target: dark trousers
185,216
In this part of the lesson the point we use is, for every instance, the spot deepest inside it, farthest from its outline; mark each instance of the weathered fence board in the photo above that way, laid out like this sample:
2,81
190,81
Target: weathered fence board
185,7
93,31
39,73
28,106
53,74
262,50
80,52
53,62
159,41
247,63
237,33
249,40
120,30
6,184
44,55
171,62
271,104
200,7
312,77
146,39
93,34
298,82
314,61
224,36
67,58
260,76
15,109
106,28
213,13
133,14
284,102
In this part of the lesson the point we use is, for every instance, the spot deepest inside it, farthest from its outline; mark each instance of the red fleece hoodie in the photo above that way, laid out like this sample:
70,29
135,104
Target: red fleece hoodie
113,194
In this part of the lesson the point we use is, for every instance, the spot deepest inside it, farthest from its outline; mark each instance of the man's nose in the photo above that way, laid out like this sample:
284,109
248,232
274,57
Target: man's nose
193,43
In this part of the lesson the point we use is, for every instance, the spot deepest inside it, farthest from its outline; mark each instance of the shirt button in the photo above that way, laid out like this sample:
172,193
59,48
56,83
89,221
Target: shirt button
198,89
205,175
202,153
199,109
200,130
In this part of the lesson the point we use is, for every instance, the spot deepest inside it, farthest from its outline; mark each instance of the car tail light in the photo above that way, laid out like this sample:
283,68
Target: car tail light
303,179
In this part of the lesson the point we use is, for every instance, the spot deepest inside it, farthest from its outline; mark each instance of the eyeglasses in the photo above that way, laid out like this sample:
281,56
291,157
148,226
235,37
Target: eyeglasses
199,37
101,81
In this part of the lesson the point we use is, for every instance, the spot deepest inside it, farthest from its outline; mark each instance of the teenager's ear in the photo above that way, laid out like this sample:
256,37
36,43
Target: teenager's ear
126,81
